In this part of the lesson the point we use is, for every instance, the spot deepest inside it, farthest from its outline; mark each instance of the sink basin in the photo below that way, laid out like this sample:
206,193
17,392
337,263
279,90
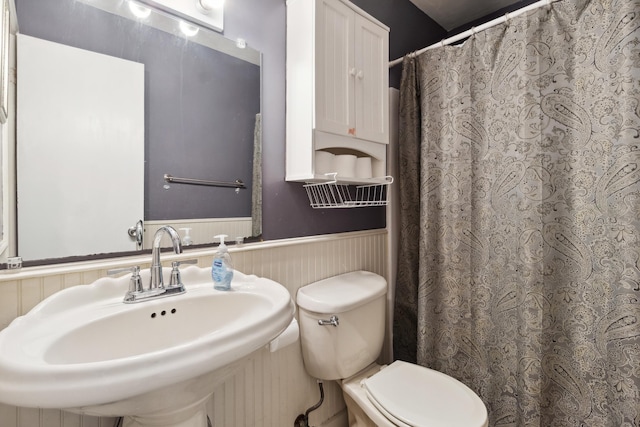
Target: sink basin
167,325
84,350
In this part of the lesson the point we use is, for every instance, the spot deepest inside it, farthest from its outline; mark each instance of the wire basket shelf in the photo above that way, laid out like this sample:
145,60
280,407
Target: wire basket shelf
332,194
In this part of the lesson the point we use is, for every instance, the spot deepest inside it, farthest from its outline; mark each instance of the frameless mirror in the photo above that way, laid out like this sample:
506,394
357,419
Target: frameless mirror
199,96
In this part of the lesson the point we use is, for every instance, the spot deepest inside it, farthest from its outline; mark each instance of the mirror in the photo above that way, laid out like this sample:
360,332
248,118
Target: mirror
201,117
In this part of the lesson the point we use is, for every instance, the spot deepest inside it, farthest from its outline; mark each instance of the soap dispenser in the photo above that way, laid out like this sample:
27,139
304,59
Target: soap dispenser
186,240
222,268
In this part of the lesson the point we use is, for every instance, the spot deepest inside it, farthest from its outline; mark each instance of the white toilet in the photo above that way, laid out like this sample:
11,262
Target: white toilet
342,322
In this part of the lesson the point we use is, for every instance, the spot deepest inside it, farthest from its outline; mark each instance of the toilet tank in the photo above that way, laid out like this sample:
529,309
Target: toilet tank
357,299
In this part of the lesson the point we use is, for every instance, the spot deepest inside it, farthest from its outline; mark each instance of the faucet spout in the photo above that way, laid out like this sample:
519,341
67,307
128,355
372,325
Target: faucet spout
156,268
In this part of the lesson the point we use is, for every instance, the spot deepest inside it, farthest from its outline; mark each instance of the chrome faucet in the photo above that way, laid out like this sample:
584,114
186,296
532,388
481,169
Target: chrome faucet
157,281
156,289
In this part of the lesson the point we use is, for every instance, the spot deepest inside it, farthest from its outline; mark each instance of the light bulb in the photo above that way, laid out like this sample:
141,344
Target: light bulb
188,29
138,10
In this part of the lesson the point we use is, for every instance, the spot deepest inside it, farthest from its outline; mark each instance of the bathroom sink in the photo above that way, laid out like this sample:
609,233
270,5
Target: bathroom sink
84,350
155,328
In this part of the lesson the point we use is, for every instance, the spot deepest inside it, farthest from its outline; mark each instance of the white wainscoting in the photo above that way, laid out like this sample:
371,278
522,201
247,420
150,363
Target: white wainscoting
274,387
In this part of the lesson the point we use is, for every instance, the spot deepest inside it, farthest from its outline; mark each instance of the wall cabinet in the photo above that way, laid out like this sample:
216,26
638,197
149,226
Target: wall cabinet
337,92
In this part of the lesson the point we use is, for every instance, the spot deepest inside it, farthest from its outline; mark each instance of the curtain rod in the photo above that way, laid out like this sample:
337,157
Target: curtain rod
474,30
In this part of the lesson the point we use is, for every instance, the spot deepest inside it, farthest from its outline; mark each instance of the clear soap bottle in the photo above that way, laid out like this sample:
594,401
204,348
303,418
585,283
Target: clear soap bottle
222,267
186,240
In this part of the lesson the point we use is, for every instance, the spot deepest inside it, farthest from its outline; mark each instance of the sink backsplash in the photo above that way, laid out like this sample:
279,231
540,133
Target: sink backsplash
274,387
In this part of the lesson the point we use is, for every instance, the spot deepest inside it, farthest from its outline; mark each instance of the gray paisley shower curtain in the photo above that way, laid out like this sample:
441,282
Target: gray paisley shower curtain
519,272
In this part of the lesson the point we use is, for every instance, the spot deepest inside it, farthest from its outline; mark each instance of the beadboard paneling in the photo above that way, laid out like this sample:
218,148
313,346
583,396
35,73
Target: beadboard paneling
273,388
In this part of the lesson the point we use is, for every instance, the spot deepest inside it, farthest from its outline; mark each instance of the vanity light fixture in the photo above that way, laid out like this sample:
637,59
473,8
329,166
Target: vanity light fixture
138,10
205,13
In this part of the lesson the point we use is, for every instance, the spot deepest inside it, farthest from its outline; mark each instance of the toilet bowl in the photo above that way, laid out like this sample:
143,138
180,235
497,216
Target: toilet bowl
342,330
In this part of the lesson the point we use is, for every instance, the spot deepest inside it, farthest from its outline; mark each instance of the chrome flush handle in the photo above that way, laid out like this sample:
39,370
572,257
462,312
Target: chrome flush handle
333,321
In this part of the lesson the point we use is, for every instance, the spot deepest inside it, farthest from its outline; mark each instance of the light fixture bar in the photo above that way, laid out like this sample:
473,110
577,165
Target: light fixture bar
202,12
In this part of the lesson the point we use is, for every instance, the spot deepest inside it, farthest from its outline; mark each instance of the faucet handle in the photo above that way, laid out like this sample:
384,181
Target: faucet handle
135,283
186,261
135,270
176,280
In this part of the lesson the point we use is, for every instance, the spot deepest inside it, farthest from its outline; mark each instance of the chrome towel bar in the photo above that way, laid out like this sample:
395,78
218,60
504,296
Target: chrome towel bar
236,184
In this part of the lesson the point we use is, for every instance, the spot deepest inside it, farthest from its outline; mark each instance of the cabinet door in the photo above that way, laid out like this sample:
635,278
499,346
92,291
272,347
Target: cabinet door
335,70
371,81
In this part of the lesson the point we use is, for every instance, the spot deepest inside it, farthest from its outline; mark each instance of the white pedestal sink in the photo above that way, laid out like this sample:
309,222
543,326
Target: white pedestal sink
156,362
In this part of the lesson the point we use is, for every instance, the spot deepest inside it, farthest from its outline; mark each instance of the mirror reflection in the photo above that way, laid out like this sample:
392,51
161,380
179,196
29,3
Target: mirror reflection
187,105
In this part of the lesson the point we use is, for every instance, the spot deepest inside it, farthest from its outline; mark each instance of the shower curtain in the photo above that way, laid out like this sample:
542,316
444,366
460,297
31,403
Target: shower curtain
519,271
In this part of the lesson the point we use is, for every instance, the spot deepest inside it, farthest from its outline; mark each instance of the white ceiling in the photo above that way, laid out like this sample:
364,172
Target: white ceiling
451,14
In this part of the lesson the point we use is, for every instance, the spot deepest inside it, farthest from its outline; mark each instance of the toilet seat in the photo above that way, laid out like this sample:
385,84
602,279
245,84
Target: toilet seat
411,395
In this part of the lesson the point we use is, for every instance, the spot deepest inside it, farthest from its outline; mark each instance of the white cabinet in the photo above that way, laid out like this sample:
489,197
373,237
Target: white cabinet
337,88
351,73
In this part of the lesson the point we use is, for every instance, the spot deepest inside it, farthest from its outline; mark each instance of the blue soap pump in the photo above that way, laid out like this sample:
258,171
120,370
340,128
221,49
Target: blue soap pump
222,268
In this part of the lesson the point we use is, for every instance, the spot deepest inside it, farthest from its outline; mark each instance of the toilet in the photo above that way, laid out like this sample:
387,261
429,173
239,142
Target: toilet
342,323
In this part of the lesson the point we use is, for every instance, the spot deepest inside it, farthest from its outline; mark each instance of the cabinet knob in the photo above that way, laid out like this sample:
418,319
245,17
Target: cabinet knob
353,71
360,74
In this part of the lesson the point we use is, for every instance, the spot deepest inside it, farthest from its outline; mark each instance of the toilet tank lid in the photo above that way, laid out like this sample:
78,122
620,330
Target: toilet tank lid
341,293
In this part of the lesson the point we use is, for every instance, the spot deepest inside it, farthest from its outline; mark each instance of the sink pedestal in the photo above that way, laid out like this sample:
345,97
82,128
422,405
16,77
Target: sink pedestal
192,416
183,404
